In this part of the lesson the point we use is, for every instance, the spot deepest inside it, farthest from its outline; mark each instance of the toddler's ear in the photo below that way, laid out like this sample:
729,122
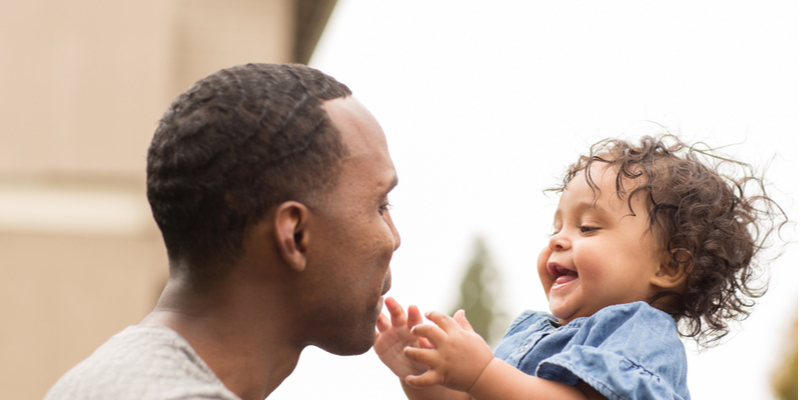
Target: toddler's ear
674,270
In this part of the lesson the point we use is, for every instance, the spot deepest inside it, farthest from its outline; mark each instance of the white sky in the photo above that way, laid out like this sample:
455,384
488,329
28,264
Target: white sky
485,103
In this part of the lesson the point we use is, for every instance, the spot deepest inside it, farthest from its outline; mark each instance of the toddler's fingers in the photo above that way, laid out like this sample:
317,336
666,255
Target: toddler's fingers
420,356
431,332
396,311
429,378
441,320
414,316
424,343
461,318
383,323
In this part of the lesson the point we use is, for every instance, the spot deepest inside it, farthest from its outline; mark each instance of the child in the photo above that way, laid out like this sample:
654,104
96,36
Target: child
646,236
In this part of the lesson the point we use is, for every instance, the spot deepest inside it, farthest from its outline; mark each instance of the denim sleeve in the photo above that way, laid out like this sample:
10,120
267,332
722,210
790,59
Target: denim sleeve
615,377
629,351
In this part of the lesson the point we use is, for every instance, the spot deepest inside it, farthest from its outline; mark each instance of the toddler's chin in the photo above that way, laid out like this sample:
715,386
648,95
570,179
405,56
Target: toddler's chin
560,310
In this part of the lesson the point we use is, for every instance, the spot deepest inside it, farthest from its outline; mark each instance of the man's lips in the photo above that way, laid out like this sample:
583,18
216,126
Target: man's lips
387,283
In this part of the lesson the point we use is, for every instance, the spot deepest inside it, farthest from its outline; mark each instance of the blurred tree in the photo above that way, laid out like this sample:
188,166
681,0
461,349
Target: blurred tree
480,290
784,381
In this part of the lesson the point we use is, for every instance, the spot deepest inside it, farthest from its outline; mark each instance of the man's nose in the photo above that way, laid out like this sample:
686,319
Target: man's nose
395,233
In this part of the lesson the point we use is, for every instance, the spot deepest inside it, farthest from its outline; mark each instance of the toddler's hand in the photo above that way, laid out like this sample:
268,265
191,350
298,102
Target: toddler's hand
394,335
458,357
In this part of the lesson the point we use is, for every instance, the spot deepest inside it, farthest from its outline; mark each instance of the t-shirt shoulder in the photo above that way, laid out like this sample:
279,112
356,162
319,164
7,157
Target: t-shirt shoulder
150,362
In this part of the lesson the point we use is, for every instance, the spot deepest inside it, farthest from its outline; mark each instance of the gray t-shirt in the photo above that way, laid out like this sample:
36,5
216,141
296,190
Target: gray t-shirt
141,362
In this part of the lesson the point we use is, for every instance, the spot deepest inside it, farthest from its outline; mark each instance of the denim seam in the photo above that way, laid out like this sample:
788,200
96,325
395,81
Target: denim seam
572,368
641,368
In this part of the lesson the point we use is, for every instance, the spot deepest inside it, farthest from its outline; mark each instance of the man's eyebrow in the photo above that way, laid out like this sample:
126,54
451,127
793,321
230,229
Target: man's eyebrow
392,184
385,192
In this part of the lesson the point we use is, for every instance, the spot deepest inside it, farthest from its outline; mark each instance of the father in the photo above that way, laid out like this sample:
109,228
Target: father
269,184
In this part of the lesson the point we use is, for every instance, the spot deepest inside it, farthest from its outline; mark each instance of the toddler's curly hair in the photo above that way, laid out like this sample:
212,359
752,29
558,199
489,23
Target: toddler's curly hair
710,213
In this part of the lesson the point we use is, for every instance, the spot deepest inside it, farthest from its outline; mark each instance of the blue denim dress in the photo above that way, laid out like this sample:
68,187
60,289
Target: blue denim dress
626,351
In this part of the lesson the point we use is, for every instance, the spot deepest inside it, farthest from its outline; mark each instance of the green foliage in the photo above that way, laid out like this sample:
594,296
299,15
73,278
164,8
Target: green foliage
784,380
479,293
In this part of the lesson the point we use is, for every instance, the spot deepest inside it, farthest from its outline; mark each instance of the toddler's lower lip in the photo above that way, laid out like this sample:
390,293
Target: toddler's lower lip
563,281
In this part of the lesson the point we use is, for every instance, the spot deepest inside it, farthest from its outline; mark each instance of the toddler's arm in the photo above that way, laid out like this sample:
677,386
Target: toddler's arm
392,337
461,360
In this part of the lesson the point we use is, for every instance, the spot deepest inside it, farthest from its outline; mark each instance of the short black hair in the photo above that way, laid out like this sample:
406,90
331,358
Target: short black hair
235,144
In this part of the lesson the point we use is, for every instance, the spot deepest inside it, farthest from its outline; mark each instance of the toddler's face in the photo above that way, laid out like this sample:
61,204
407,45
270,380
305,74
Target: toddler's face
600,254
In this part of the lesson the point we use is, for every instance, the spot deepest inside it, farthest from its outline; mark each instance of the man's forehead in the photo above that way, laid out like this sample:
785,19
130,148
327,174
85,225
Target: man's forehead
349,111
359,129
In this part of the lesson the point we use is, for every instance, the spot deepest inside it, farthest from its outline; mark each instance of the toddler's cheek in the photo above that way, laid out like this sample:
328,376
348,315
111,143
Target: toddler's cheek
541,268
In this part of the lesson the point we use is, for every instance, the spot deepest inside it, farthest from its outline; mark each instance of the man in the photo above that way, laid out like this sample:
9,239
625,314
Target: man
269,184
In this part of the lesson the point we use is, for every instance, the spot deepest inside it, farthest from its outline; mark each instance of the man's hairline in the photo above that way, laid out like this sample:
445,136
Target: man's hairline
311,200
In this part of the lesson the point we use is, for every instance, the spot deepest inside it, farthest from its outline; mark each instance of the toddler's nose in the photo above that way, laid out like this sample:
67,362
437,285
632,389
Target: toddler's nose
559,242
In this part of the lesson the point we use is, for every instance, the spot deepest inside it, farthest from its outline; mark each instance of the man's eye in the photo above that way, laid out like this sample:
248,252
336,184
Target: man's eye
384,208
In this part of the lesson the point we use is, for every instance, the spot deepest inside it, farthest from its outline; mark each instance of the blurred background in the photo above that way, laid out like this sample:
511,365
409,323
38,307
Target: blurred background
484,104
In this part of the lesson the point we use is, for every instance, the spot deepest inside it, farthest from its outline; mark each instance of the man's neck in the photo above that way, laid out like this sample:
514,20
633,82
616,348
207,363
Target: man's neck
250,348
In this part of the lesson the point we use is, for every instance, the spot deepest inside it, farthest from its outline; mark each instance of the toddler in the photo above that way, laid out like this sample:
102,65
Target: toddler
646,238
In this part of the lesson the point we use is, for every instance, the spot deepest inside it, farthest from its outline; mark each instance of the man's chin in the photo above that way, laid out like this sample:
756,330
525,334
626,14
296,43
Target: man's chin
351,347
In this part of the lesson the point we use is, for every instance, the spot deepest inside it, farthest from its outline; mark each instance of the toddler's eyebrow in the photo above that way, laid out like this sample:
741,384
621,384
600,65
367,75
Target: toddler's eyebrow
593,206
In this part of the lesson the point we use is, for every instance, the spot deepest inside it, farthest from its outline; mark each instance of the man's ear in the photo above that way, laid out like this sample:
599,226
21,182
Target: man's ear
291,220
674,270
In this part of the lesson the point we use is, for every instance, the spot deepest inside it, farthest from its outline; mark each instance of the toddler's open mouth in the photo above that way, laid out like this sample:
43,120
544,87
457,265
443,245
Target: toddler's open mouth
562,275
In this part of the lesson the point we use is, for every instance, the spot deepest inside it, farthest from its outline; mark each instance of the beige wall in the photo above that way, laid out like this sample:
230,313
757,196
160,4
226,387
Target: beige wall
64,295
212,34
82,86
84,82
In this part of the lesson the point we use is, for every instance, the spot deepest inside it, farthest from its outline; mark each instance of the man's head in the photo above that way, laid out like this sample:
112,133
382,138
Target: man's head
343,246
234,145
271,183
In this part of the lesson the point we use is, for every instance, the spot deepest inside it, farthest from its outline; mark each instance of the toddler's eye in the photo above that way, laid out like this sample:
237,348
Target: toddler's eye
587,229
